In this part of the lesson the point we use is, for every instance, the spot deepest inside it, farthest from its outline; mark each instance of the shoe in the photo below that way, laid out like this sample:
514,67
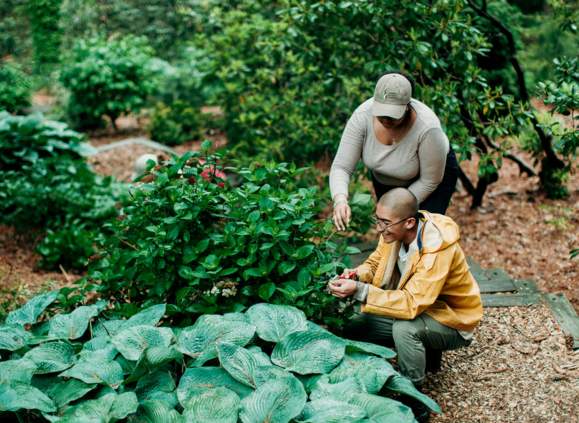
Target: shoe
420,411
433,360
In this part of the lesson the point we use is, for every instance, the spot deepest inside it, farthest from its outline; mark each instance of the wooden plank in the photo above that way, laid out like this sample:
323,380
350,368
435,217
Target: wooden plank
510,300
496,286
526,286
565,315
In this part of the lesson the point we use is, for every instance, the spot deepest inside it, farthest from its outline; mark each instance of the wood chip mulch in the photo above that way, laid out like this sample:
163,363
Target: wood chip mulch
518,369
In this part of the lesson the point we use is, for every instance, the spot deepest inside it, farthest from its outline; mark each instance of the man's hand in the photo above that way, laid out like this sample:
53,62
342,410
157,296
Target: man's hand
349,274
342,288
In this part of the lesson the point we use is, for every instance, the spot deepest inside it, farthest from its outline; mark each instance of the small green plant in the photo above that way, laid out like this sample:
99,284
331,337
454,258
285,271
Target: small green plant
175,123
107,78
15,88
268,364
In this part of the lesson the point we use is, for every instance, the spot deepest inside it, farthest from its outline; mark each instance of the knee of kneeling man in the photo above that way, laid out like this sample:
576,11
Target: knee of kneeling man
405,328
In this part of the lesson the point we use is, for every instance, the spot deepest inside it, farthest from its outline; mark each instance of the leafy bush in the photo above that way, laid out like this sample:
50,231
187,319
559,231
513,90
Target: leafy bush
257,366
14,88
45,184
190,238
562,96
290,81
44,17
107,78
175,123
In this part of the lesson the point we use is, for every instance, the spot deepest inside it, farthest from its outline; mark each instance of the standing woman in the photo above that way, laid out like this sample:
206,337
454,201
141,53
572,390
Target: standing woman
402,143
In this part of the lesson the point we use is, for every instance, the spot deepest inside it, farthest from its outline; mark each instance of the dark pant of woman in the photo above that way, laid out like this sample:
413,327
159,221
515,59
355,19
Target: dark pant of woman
438,201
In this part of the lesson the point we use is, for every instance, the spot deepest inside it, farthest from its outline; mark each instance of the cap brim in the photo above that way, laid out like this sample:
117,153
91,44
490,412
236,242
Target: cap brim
395,111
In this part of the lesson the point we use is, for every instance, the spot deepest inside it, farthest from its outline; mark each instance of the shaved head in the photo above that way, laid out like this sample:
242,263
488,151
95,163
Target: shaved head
400,201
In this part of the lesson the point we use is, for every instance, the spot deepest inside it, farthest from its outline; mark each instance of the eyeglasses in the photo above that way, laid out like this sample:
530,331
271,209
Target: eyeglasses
383,224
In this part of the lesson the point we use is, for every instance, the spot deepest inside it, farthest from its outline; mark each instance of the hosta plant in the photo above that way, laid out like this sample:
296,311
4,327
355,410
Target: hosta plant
191,238
269,364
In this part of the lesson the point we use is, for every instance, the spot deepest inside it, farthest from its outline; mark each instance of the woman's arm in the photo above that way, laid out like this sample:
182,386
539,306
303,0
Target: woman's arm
349,152
432,153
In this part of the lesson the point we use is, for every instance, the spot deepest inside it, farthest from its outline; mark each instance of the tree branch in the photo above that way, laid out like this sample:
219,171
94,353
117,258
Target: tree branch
524,167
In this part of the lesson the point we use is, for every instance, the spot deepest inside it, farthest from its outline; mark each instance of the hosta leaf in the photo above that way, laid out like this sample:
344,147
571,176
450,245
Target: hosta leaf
219,405
264,374
371,371
200,340
402,385
73,325
133,341
13,338
108,328
154,411
276,401
326,410
67,391
147,317
198,380
152,359
123,405
274,322
239,362
154,383
381,409
15,396
29,312
52,357
103,372
101,349
309,352
20,370
261,357
367,347
339,390
90,411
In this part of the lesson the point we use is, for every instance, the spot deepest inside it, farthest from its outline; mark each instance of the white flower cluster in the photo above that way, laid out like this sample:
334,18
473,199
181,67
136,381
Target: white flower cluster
224,288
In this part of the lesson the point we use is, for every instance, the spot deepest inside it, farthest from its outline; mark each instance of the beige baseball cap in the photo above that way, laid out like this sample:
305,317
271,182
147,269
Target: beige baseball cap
391,96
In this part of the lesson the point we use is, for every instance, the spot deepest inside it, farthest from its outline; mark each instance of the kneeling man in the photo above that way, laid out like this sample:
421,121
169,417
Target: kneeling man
416,289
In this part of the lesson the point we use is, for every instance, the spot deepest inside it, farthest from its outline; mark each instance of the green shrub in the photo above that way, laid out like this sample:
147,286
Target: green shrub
107,78
175,123
258,366
44,17
190,238
290,82
45,184
561,95
15,89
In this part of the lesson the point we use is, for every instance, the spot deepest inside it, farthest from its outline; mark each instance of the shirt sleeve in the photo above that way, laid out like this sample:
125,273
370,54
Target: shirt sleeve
432,153
348,155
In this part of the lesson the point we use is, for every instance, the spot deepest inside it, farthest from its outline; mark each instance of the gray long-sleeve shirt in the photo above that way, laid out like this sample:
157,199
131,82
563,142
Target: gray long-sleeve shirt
417,161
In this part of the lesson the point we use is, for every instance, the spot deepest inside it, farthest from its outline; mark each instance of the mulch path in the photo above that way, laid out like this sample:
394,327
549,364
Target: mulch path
521,231
518,369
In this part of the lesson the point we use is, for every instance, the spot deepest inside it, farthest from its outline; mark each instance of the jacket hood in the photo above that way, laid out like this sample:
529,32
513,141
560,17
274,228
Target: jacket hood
438,233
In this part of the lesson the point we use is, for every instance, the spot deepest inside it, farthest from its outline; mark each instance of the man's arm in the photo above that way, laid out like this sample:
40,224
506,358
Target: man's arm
421,290
367,270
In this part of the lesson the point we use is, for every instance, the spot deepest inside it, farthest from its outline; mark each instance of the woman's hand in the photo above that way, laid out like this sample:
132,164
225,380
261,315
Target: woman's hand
342,214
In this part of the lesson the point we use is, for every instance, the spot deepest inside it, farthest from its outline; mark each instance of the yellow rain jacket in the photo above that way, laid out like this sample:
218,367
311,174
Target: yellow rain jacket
437,280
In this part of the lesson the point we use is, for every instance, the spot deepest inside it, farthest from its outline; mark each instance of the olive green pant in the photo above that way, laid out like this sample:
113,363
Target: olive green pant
411,338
